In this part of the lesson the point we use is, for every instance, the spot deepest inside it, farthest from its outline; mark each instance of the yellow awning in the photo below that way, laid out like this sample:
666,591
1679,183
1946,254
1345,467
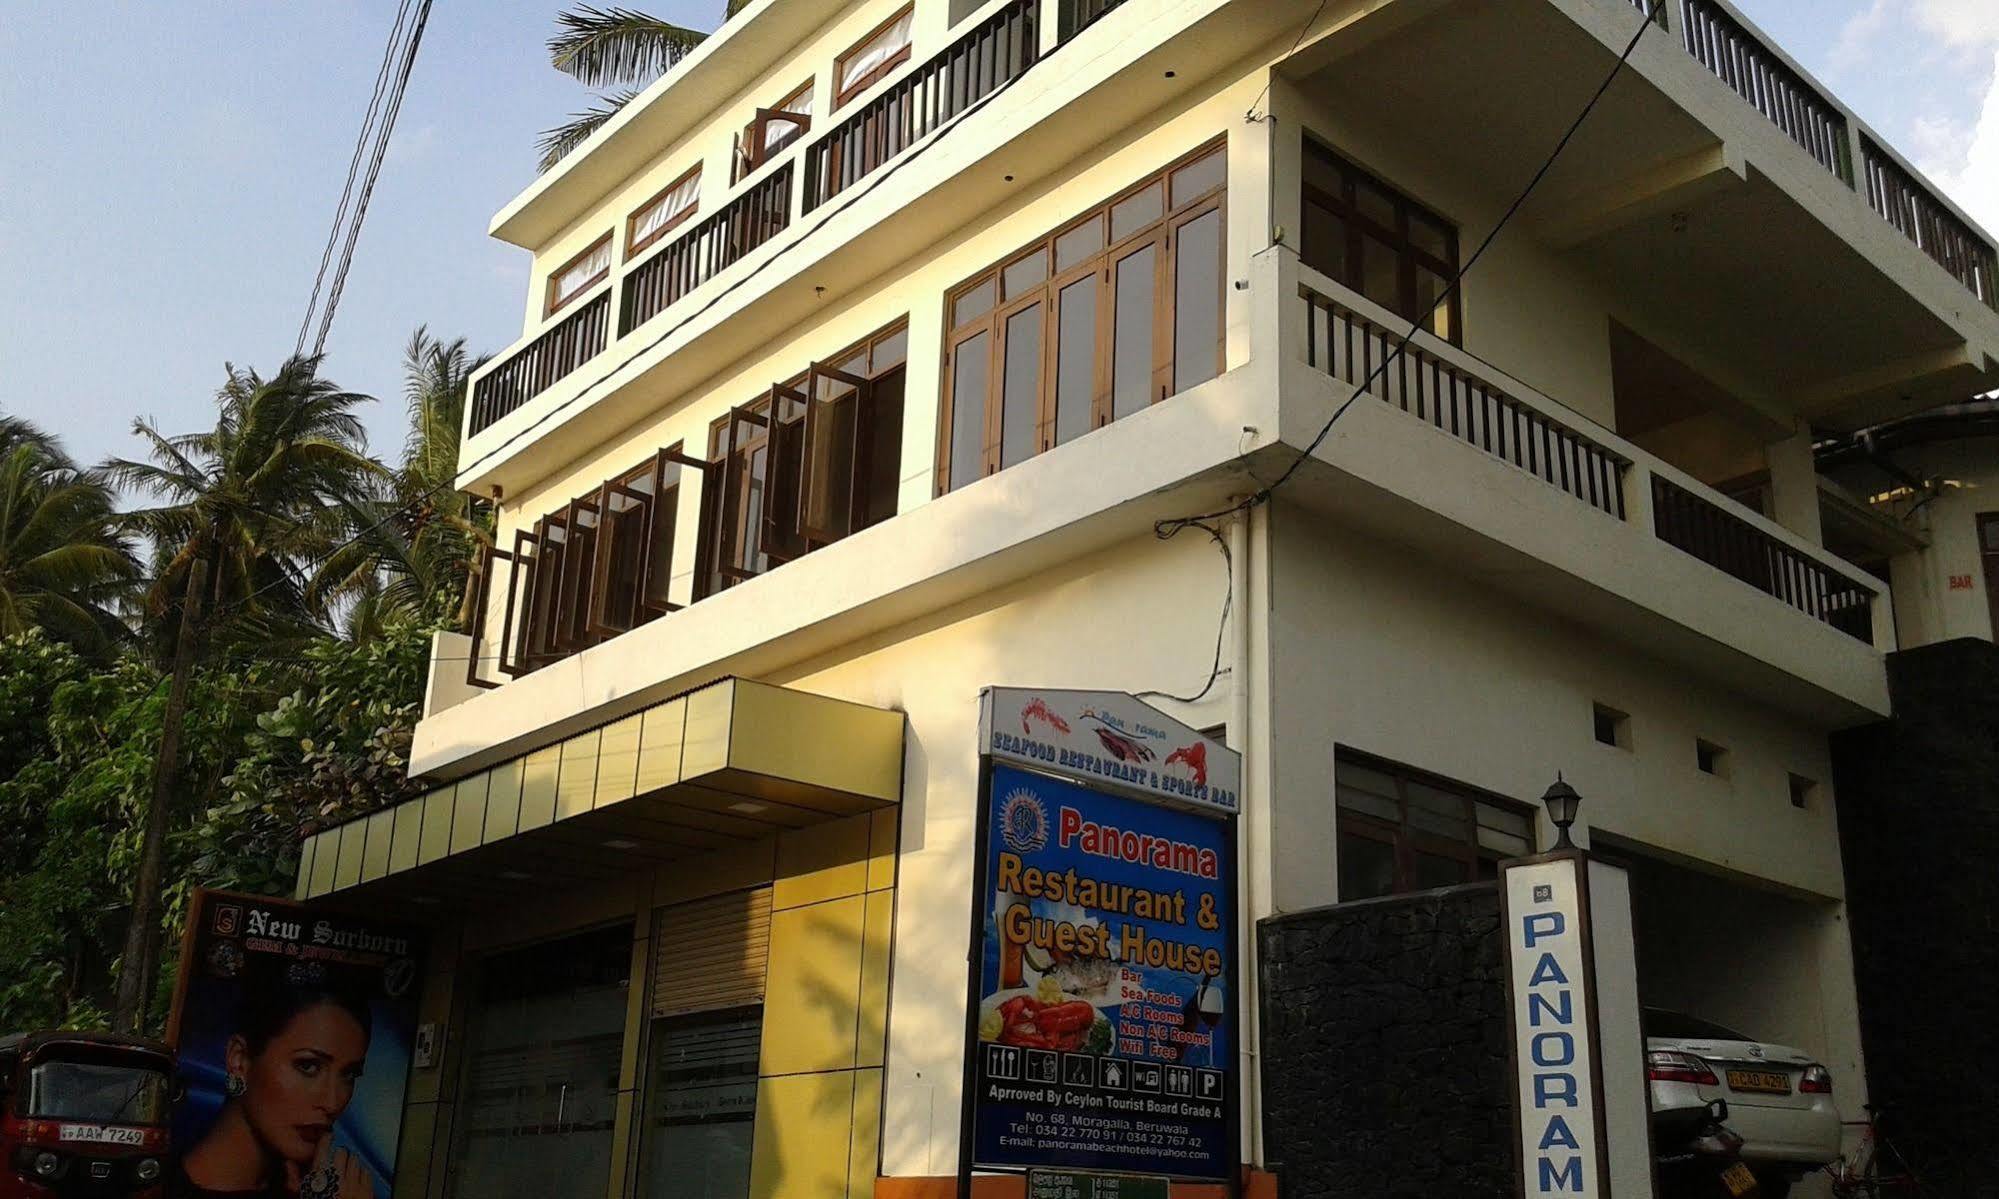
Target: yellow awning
734,762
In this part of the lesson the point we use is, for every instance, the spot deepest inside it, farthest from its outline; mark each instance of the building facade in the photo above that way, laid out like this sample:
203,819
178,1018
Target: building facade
889,350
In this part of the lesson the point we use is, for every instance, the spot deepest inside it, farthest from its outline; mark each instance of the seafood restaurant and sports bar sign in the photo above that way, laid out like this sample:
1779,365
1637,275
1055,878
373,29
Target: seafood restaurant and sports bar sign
1103,973
1112,737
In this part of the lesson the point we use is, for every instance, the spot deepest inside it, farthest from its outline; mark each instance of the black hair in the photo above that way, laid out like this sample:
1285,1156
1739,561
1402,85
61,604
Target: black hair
274,1001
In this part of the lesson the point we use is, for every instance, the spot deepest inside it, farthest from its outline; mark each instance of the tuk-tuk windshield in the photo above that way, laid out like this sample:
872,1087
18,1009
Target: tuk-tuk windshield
98,1092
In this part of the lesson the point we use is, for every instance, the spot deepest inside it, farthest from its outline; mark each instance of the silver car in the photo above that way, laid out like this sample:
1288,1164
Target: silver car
1779,1099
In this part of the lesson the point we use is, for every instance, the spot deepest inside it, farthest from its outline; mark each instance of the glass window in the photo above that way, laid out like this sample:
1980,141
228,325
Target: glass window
1367,236
1084,337
663,212
540,1089
580,274
97,1092
1401,830
878,54
700,1105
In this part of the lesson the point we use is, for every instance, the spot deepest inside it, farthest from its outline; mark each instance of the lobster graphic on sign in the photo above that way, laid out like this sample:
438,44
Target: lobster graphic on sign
1195,758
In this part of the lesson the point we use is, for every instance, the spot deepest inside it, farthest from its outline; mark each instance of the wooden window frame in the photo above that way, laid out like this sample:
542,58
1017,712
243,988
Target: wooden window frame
1405,839
553,303
752,149
636,246
1161,234
1409,255
842,95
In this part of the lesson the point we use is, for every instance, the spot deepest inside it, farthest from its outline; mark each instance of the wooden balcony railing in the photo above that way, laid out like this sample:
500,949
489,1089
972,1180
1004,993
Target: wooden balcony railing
971,68
1902,200
1078,15
537,366
1756,73
701,253
1734,546
1484,415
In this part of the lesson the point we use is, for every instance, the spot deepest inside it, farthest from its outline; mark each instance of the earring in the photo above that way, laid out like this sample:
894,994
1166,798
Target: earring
235,1086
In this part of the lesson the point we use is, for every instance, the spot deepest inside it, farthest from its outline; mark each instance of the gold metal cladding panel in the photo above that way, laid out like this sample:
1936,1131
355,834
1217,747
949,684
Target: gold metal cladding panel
864,1155
705,748
660,737
617,761
353,839
303,885
503,800
437,810
576,781
375,854
325,857
538,787
468,817
811,739
407,837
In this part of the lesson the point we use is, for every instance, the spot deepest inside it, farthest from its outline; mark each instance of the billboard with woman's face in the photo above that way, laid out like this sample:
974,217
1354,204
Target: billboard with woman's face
294,1030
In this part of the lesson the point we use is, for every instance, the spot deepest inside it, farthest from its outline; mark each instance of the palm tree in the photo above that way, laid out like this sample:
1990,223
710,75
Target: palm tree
612,48
245,508
64,565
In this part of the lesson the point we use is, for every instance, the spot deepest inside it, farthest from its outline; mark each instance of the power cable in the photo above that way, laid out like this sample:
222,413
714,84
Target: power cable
353,171
1295,43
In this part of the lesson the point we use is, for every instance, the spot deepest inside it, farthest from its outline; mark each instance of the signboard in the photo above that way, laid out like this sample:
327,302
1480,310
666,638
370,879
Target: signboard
1551,983
1073,1184
1112,737
266,985
1104,979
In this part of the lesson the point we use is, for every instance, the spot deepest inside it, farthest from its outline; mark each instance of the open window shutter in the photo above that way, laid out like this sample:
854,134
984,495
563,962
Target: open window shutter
515,622
550,534
656,569
832,437
711,954
739,535
782,540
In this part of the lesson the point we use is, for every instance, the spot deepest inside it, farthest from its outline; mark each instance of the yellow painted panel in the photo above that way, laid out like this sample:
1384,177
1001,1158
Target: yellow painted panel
659,746
576,783
637,1001
302,885
864,1157
715,872
408,835
827,742
325,857
812,994
353,839
538,787
622,1131
826,861
871,1024
706,748
375,854
886,834
468,817
617,761
413,1151
803,1137
437,809
503,801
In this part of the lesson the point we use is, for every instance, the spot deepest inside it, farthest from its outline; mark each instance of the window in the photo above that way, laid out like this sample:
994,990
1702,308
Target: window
1804,792
814,460
1988,543
1612,726
1373,239
1710,758
99,1092
772,129
664,211
599,566
1401,830
877,54
580,274
545,1029
1106,316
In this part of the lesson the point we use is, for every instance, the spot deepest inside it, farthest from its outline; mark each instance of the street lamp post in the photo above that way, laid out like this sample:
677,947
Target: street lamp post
1562,802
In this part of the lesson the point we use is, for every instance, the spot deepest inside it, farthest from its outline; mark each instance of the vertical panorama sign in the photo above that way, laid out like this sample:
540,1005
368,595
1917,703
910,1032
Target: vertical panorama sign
1551,981
1112,737
1103,982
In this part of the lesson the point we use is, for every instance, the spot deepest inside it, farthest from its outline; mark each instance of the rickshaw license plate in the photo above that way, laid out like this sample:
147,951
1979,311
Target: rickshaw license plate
1764,1082
97,1134
1739,1180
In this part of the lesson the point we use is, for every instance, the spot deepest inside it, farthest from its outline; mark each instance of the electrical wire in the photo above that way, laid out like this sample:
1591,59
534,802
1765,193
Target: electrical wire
1167,528
1295,43
1221,630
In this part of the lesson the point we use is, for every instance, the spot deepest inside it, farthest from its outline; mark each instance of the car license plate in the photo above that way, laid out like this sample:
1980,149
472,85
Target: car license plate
1765,1082
96,1134
1739,1180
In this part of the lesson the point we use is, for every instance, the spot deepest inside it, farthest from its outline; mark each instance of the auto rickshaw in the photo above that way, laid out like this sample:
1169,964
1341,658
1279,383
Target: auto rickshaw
83,1116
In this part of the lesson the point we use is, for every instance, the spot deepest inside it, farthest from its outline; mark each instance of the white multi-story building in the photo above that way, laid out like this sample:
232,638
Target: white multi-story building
865,353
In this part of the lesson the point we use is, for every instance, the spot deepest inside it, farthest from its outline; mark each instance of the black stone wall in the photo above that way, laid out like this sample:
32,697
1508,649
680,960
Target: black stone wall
1918,799
1384,1041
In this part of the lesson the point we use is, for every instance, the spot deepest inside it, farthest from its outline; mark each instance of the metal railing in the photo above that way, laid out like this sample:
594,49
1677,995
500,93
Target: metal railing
1902,200
1736,547
997,50
693,258
1078,15
1756,73
1484,415
537,366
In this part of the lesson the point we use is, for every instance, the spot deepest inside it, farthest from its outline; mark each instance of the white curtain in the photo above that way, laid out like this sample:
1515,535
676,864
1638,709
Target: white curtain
667,209
886,45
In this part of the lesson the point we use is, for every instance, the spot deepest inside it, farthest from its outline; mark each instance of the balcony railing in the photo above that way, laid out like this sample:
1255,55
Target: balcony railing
970,69
1756,73
693,258
1734,546
1078,15
1905,203
538,366
1484,415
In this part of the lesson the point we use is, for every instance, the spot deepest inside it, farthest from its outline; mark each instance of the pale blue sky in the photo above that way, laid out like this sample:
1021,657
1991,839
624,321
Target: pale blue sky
168,170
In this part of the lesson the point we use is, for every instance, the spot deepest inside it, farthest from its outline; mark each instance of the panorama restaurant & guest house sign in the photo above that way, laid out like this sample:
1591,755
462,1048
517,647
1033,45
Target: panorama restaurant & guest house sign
1104,975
